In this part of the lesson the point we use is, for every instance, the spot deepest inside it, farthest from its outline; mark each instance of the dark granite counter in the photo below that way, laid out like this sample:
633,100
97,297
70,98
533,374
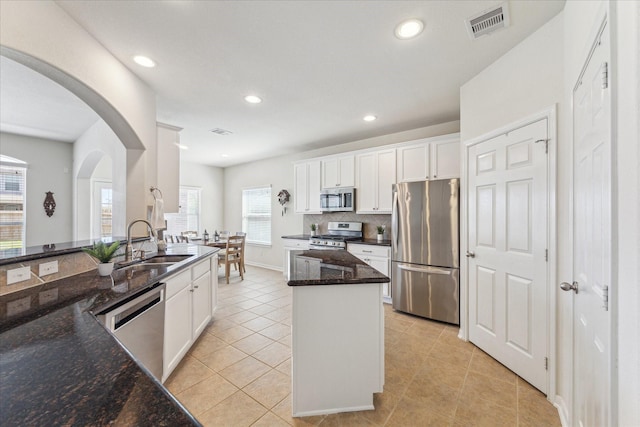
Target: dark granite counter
60,366
298,237
373,242
330,267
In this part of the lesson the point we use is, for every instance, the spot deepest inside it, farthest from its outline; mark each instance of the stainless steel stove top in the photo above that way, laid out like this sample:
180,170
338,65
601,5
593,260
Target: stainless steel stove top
338,235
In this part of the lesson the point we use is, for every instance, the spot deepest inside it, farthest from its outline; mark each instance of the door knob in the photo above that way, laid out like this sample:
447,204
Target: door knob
569,287
471,254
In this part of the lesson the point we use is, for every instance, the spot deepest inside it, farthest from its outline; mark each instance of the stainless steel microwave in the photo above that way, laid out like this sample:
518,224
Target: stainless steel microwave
338,199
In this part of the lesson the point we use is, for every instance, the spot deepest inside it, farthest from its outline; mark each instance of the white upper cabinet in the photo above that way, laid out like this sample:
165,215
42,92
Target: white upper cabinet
307,187
338,172
432,158
168,164
445,159
376,174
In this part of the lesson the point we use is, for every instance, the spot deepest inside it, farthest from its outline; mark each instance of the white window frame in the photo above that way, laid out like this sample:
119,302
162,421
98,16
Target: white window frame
14,163
251,240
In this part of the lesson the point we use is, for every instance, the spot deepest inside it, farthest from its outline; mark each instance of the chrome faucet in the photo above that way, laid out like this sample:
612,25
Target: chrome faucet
128,253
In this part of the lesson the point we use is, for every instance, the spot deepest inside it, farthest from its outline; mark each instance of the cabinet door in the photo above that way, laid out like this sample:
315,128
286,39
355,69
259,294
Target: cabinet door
201,303
413,163
313,191
347,173
382,265
445,160
214,283
177,329
330,171
300,193
386,169
366,183
291,245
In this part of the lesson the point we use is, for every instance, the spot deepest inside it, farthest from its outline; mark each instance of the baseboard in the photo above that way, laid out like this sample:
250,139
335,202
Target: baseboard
267,266
333,411
563,410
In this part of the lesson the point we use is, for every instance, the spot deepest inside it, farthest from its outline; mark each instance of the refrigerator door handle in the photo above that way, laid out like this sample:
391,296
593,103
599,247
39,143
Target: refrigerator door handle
394,218
430,270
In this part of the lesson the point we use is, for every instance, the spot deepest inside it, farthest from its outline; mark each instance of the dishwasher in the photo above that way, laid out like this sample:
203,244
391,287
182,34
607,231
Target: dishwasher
139,326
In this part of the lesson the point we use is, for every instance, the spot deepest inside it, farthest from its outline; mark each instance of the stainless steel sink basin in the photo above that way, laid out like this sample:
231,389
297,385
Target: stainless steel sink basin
155,262
166,259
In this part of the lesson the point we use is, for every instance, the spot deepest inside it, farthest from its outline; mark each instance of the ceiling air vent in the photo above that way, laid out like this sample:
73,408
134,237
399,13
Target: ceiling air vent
221,131
488,21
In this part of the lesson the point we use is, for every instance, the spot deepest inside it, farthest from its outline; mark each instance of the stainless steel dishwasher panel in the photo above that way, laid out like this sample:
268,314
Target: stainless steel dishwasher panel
139,326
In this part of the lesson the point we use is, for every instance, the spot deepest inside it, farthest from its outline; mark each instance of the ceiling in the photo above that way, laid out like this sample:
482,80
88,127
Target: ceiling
320,66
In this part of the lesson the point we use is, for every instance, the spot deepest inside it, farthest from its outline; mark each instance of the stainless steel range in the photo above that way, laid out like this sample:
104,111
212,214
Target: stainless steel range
339,233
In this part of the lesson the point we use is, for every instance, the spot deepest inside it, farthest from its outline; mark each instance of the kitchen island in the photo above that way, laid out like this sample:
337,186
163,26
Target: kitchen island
60,366
337,332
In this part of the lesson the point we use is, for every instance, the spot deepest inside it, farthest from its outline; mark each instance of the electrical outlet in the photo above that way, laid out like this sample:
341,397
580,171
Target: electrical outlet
48,268
18,275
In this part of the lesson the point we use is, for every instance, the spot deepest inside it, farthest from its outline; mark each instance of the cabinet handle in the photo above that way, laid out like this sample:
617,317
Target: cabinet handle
368,252
434,176
195,286
190,290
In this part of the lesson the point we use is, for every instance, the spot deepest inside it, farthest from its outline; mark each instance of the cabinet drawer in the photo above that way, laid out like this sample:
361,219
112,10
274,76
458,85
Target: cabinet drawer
295,244
200,268
363,250
178,282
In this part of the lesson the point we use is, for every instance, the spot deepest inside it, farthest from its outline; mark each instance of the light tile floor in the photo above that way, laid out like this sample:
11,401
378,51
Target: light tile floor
238,372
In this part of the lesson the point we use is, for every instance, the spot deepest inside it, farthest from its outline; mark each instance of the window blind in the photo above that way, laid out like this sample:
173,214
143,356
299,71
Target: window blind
256,214
12,210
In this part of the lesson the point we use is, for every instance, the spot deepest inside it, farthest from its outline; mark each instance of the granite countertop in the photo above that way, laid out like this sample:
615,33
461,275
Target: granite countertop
60,366
374,242
330,267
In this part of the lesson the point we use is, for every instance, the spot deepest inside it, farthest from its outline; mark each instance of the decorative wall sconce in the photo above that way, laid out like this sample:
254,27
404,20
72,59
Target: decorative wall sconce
49,204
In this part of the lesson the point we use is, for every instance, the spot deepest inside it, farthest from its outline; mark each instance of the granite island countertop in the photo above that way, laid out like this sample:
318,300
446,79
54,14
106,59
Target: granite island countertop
60,366
330,267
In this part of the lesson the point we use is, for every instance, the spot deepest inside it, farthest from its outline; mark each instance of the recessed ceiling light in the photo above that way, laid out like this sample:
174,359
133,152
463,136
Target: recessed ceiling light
181,146
144,61
409,29
252,99
369,118
224,155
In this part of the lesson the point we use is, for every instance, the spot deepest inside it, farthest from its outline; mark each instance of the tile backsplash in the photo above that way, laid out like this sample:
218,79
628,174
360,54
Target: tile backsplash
370,222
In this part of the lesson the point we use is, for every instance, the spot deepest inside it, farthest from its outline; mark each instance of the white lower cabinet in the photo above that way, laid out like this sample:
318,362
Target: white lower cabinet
291,245
378,257
191,300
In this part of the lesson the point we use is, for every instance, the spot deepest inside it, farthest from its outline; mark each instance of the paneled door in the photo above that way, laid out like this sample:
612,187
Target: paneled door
507,243
592,239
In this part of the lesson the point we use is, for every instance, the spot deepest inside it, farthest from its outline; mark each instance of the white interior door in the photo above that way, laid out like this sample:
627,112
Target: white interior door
507,243
592,240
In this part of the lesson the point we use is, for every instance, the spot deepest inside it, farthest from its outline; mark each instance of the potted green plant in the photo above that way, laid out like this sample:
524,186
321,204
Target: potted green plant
380,229
104,254
313,229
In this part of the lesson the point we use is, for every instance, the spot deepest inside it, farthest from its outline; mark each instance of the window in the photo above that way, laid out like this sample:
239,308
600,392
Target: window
256,215
188,216
13,178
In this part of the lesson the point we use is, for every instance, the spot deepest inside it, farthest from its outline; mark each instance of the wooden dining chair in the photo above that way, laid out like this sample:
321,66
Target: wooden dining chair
243,234
169,238
232,255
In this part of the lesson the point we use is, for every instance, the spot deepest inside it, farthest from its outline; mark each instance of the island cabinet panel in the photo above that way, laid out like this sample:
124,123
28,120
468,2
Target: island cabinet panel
191,300
337,348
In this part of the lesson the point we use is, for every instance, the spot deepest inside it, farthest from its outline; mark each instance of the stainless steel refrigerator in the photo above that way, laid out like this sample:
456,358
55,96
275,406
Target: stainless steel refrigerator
425,256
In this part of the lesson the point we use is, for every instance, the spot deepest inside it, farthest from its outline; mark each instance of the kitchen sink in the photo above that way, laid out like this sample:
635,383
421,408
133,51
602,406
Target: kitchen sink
151,263
166,259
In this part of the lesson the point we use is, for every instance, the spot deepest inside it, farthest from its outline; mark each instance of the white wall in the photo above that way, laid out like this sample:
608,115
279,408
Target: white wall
97,141
526,80
278,172
41,35
211,180
49,169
